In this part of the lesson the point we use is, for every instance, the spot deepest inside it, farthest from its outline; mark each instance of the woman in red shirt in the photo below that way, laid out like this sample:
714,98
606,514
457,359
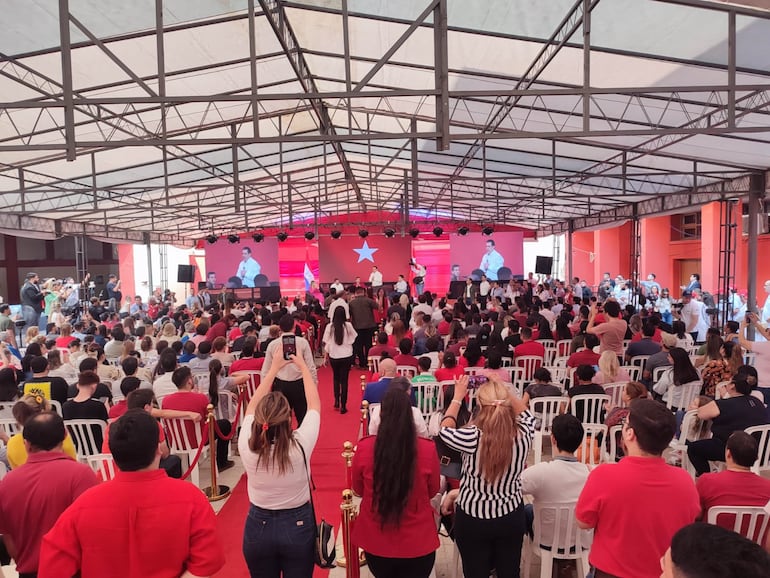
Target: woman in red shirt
450,370
472,356
396,474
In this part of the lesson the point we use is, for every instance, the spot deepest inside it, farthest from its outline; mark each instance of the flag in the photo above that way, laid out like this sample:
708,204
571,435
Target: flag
308,274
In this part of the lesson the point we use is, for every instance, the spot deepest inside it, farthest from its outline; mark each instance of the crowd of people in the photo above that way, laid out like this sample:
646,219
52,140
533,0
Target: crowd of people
128,367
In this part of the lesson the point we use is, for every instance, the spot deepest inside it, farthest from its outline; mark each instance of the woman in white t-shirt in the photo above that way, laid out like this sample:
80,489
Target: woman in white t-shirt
338,346
278,539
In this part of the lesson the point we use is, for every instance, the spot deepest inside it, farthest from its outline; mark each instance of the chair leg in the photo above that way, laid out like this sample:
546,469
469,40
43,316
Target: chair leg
546,564
582,564
526,557
538,443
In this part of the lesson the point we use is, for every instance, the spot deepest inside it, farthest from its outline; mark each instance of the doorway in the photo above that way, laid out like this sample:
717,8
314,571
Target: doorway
683,268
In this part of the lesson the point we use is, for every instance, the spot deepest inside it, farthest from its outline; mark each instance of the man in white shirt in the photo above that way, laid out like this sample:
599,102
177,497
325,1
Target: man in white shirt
248,268
375,278
401,285
491,261
339,301
693,314
560,480
337,286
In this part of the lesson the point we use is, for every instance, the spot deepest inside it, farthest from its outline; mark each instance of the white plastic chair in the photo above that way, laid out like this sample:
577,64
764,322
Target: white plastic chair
429,398
561,361
699,432
750,521
568,541
550,349
634,371
201,381
640,361
184,437
226,405
687,393
749,357
762,434
545,409
8,425
103,465
615,391
563,347
597,432
559,376
373,362
529,363
408,371
6,410
592,405
250,387
613,436
658,373
82,433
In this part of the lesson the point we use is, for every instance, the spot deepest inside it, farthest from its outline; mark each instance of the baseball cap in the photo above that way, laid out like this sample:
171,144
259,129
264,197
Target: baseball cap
245,326
668,339
686,293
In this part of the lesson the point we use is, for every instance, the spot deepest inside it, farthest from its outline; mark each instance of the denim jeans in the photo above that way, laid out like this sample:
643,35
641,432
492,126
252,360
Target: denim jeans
279,542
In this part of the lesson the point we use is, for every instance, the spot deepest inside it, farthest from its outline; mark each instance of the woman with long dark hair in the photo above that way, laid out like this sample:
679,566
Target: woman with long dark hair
280,530
218,381
396,474
472,356
338,345
682,372
489,515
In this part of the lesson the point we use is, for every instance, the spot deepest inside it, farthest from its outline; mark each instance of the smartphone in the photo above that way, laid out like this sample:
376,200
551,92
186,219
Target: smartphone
474,381
289,343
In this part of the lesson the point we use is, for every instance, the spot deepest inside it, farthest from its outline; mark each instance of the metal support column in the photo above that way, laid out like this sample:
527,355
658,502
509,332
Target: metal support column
636,252
441,70
150,283
415,168
727,247
556,252
163,252
756,194
81,257
568,250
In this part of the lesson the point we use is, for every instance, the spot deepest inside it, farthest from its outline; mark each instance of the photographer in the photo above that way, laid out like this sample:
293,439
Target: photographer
760,349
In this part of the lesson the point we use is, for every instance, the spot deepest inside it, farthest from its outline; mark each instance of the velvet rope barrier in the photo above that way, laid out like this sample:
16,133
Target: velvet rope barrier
220,435
195,460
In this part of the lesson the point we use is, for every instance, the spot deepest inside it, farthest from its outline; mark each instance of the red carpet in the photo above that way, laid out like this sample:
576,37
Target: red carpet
328,469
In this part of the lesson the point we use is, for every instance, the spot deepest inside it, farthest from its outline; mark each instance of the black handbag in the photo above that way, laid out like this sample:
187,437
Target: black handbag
324,550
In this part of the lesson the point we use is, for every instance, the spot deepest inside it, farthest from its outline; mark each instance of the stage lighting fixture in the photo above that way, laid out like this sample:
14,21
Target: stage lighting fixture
258,237
233,239
212,239
390,233
336,234
282,236
438,231
487,230
414,233
363,233
310,235
463,231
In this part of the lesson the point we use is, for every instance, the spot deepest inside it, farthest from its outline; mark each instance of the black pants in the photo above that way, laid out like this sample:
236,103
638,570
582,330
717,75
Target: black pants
362,344
701,451
488,544
173,466
340,374
222,445
401,567
295,394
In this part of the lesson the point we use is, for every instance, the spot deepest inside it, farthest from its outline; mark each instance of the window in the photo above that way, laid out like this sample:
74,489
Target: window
763,217
686,227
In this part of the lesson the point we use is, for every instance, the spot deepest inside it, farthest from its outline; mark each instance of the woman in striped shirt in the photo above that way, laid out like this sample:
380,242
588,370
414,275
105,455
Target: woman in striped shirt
489,514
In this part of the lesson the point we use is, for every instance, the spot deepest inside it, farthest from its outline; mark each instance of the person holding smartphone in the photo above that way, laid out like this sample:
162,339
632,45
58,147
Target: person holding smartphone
288,380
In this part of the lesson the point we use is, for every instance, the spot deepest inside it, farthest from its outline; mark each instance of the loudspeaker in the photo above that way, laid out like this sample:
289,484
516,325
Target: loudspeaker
185,274
543,265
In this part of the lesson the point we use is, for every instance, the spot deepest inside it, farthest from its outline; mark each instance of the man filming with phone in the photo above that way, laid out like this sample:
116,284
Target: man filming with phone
289,378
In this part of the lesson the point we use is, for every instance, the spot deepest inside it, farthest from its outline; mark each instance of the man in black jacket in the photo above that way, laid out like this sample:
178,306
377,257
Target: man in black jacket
31,300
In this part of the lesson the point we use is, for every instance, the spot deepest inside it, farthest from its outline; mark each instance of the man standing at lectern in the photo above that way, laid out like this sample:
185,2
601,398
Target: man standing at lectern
248,268
491,261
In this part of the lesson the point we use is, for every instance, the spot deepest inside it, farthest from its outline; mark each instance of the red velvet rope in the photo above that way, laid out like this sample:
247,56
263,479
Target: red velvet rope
195,460
241,400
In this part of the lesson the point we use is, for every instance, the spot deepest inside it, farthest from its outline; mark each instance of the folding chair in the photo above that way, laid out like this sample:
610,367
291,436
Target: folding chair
103,465
762,434
407,371
749,521
529,363
593,433
592,406
226,405
688,428
687,393
615,391
545,409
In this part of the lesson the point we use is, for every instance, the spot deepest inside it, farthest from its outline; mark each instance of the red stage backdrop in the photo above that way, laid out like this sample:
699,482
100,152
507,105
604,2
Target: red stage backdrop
226,260
434,255
351,256
476,253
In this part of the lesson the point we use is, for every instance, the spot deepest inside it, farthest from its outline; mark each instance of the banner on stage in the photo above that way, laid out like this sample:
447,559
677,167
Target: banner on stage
242,265
351,256
499,256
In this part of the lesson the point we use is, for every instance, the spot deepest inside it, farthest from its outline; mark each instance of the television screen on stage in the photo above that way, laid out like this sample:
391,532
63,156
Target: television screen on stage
499,256
244,264
351,256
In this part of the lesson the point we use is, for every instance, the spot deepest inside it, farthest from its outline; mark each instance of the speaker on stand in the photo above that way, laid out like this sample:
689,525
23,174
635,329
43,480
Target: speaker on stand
185,274
543,265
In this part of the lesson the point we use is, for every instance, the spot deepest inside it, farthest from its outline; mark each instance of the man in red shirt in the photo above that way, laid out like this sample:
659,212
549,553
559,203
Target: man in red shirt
142,523
220,327
528,345
737,485
187,399
585,356
405,356
33,496
636,505
382,346
247,361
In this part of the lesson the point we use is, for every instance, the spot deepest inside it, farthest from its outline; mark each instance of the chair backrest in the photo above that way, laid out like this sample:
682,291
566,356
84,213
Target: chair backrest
472,370
517,374
640,360
614,441
182,434
615,391
559,375
634,371
408,371
429,397
201,381
529,363
565,539
560,361
762,434
749,357
546,408
373,362
87,434
749,521
6,409
589,407
3,470
687,393
563,347
594,437
8,425
658,372
226,405
550,349
103,465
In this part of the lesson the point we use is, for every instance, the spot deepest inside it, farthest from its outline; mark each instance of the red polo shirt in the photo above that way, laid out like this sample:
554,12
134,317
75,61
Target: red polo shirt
139,524
39,491
584,357
529,348
189,401
247,364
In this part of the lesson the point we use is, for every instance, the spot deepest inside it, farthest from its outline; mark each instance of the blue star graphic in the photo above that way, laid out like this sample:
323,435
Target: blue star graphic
365,252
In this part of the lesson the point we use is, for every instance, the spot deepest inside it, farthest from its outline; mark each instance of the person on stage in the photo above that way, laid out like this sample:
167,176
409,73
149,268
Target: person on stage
248,268
491,261
419,277
31,300
456,273
375,278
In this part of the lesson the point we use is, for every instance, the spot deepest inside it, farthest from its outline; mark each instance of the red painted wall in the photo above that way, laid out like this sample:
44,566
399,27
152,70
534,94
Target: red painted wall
656,243
582,249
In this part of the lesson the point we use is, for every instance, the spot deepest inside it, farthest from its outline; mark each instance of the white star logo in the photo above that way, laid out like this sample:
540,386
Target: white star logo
365,252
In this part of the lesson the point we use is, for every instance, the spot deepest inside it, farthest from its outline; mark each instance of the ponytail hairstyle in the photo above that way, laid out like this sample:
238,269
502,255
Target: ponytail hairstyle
496,419
271,437
215,369
395,454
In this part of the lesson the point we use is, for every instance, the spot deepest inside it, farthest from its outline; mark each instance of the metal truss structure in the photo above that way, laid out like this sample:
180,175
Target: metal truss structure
166,120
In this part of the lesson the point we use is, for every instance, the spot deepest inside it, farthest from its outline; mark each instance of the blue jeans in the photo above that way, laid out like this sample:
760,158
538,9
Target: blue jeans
279,542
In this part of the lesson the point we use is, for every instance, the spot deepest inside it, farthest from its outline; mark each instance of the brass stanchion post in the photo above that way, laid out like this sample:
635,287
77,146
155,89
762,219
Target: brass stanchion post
364,418
348,453
363,384
349,549
215,492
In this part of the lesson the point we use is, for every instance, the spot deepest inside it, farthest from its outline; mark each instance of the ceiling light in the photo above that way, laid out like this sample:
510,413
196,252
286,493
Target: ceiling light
336,234
282,236
487,230
414,232
363,233
438,231
258,237
463,231
233,239
212,239
390,233
310,235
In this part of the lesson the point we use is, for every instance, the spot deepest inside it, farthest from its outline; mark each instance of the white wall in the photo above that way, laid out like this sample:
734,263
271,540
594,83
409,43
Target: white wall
175,257
544,247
